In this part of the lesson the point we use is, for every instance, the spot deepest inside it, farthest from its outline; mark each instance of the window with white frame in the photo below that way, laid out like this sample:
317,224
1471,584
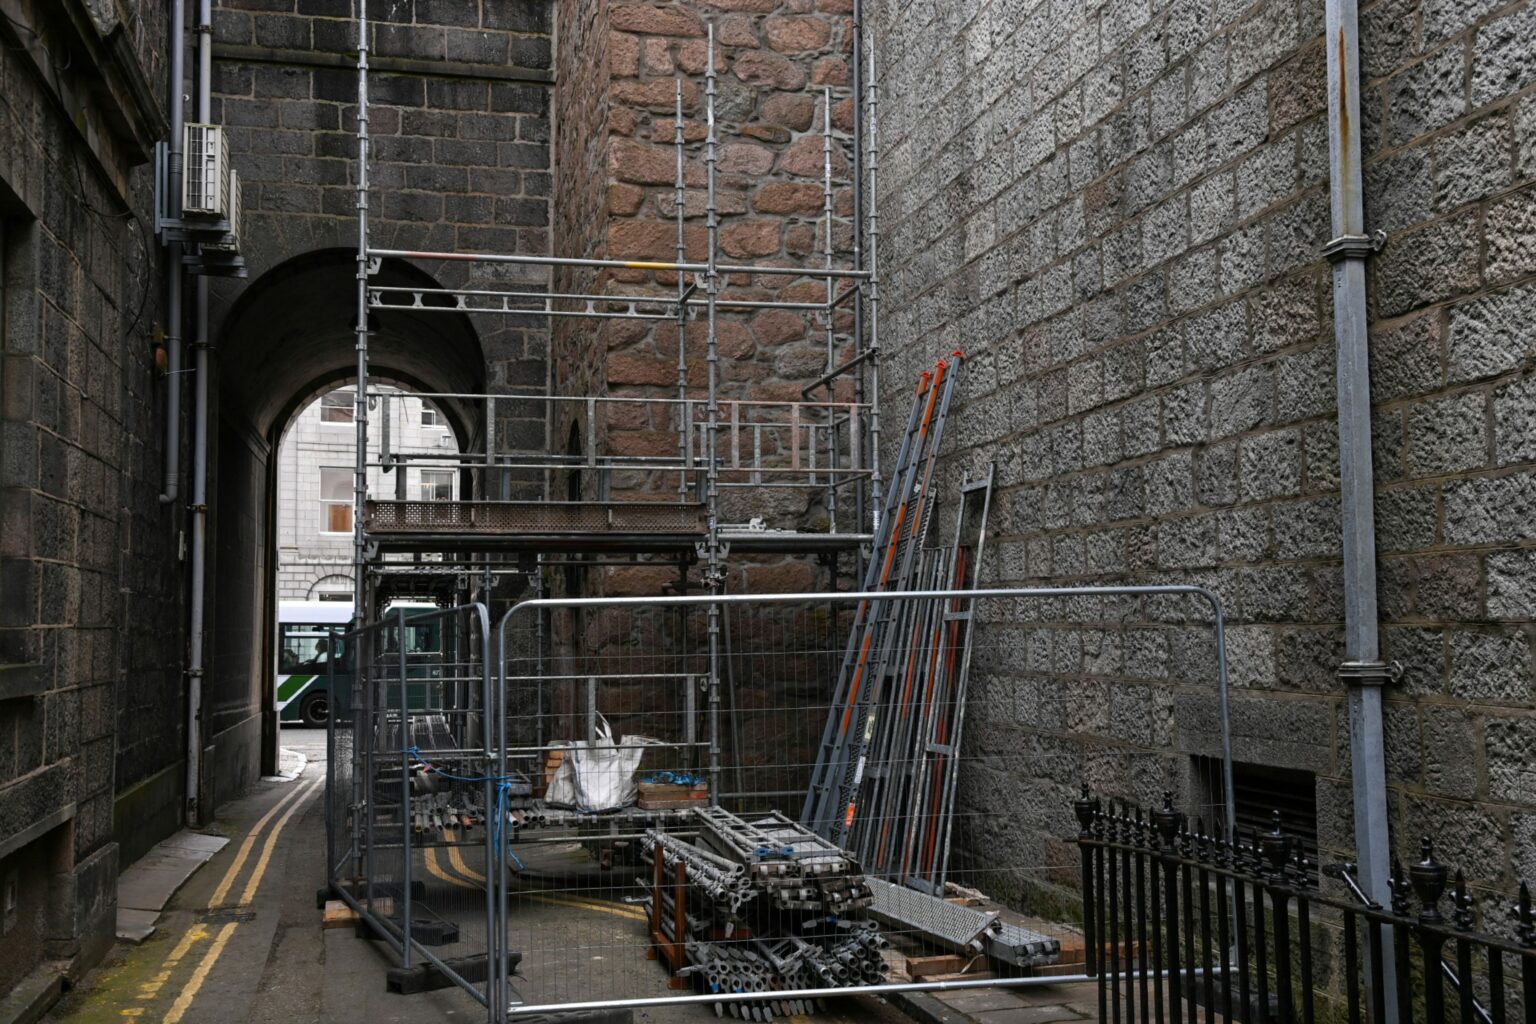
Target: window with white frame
335,500
336,407
435,485
430,417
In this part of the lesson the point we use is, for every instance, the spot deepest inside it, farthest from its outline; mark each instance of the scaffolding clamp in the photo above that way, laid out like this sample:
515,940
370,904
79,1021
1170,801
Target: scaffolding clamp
1370,673
1355,247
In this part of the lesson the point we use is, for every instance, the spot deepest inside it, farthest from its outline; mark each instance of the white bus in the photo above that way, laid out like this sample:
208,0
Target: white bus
309,637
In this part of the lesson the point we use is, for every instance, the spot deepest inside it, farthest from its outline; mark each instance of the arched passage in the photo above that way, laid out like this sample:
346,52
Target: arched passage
289,336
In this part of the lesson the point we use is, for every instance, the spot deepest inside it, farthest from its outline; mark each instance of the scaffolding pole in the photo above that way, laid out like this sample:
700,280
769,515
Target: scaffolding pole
679,201
360,399
714,573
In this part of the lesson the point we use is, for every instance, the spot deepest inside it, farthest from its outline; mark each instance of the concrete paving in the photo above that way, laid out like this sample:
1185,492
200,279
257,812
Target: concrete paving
149,883
240,942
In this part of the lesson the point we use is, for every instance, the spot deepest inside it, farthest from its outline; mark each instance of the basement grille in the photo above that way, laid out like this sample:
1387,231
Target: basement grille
1260,790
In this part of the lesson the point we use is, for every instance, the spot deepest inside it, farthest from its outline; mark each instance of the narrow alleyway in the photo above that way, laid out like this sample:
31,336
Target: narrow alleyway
241,943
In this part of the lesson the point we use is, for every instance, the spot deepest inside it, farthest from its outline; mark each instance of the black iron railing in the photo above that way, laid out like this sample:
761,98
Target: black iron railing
1185,926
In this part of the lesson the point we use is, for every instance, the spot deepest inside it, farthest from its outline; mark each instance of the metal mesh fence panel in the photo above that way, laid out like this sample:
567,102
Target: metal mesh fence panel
749,805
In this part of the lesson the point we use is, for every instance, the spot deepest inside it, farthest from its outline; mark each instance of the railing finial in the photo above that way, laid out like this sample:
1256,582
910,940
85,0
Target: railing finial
1428,878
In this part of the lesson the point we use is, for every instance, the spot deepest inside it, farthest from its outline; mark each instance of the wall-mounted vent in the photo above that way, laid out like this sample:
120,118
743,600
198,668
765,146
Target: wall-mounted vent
205,176
232,241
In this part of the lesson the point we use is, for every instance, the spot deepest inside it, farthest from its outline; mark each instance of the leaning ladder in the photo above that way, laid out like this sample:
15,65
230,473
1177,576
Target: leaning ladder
831,802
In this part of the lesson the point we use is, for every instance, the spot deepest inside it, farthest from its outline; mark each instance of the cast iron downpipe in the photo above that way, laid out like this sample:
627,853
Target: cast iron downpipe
170,485
1363,672
199,509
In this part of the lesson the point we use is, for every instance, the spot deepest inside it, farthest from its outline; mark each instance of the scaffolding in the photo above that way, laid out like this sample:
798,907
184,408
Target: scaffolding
818,444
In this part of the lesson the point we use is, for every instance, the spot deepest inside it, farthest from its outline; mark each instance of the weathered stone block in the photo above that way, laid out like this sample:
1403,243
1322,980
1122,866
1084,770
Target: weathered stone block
1448,435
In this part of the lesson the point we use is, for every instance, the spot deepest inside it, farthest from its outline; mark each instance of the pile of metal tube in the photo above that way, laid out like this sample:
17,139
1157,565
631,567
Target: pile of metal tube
772,907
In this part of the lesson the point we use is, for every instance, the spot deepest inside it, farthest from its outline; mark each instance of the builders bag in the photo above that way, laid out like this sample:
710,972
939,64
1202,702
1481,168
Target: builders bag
598,775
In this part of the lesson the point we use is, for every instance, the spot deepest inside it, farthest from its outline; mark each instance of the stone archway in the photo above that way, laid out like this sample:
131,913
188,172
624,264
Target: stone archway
288,336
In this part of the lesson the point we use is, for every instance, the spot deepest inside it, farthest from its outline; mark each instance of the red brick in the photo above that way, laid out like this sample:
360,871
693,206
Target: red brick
693,55
655,21
623,55
625,368
750,238
736,30
793,111
625,200
665,130
797,34
830,71
621,121
623,334
752,6
803,158
656,57
772,133
639,581
783,578
655,240
842,115
742,158
777,326
800,362
650,443
641,164
802,240
732,338
787,197
654,94
835,6
760,67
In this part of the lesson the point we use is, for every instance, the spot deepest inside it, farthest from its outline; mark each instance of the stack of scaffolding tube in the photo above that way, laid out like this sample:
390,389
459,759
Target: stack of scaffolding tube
771,907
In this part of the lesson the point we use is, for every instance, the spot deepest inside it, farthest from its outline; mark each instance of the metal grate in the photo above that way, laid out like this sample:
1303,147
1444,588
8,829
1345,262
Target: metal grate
535,517
951,924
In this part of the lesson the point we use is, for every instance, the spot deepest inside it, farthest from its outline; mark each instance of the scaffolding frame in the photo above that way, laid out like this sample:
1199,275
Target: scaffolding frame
708,278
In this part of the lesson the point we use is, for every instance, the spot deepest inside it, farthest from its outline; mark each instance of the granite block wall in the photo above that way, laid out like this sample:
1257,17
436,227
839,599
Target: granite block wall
1117,209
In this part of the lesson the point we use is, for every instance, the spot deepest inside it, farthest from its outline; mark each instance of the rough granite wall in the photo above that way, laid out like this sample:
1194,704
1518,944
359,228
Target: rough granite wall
618,64
89,591
1117,209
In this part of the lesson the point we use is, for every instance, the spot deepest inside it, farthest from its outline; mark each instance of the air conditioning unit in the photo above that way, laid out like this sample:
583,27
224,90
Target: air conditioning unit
205,173
231,241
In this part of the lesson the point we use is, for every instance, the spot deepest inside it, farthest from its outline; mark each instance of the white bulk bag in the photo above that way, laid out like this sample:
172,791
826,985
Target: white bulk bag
598,775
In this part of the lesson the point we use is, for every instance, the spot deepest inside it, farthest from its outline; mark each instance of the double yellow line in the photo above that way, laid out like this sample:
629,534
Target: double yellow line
467,877
197,933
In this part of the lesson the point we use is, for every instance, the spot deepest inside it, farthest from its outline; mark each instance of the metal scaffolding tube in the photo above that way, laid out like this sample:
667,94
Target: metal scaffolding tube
826,213
714,573
571,261
875,485
679,201
360,399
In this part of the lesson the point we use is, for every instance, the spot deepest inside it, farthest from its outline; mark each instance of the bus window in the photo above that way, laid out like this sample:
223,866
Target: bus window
307,647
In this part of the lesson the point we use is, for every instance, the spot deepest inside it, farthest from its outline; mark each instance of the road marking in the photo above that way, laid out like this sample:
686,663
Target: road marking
457,863
245,847
189,991
269,846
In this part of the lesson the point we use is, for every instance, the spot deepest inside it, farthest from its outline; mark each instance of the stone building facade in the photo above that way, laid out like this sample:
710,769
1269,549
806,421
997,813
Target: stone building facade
314,485
90,588
778,62
1118,210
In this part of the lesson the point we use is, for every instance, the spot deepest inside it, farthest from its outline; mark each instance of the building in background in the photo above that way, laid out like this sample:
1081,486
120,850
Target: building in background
314,488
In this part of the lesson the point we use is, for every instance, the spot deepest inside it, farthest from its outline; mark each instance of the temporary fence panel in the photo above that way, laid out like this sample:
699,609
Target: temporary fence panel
691,878
413,797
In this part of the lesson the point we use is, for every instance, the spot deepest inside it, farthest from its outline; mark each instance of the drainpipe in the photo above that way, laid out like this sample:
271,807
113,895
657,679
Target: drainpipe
199,460
1363,672
170,487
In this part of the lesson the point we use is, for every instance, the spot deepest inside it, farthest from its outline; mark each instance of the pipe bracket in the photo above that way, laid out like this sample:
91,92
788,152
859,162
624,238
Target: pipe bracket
1370,673
1355,247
